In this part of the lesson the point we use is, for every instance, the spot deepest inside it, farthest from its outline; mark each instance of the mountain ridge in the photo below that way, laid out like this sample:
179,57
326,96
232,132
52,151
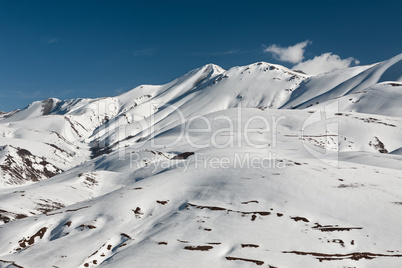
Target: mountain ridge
257,165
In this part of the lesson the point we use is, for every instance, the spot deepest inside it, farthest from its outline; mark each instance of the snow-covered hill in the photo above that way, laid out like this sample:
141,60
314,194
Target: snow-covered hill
254,166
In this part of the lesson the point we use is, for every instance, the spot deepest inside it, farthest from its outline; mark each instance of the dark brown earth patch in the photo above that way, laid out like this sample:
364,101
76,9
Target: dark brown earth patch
356,256
6,216
243,213
378,145
252,201
200,248
123,245
206,207
46,205
76,209
395,84
126,236
374,120
138,212
299,219
249,246
339,241
84,226
246,260
26,167
334,228
351,185
183,156
25,242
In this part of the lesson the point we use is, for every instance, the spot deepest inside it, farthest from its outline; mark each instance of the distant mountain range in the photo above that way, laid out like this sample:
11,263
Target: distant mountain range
258,165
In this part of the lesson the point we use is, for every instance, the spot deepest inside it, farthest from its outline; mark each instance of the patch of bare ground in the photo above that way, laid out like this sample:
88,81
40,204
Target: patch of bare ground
206,207
124,235
85,226
339,241
25,242
199,248
334,228
374,120
252,201
89,180
6,216
26,167
162,202
182,156
107,250
356,256
249,246
378,145
58,148
46,205
138,212
351,185
297,218
246,260
76,209
243,213
395,84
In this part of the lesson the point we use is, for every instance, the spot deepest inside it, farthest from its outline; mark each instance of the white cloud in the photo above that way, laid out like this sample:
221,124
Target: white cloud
324,63
228,52
53,40
292,54
220,53
49,40
144,52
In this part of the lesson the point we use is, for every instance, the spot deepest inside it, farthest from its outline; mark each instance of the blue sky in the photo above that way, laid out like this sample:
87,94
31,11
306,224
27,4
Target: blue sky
69,49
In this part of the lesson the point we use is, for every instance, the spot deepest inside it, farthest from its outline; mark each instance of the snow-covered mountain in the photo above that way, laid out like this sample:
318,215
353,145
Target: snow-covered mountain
258,165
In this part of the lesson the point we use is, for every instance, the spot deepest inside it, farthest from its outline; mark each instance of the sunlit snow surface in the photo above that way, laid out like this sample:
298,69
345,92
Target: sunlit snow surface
255,166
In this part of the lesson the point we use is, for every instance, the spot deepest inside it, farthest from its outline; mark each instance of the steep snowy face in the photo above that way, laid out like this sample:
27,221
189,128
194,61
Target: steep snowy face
35,109
181,204
389,70
19,166
199,92
254,166
259,85
383,99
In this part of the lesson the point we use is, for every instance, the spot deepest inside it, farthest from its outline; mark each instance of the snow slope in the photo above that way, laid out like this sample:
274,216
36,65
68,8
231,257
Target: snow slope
211,169
388,70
